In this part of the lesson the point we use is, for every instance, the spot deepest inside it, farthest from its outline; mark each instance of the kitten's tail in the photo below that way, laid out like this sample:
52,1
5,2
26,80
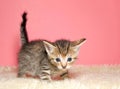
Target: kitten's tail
24,36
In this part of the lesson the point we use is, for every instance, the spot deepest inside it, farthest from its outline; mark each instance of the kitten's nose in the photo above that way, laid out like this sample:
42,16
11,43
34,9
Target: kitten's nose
64,66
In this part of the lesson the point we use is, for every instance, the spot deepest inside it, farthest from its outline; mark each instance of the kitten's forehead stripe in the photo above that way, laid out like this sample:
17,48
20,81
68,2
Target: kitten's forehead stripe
63,46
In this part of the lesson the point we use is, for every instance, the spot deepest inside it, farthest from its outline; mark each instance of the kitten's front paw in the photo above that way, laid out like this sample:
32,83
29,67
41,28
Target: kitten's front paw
47,79
64,75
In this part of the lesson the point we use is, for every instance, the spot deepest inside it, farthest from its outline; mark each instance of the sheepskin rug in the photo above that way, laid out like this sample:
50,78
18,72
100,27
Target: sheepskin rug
82,77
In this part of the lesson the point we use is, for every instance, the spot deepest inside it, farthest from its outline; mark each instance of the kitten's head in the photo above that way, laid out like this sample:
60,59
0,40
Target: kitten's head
63,53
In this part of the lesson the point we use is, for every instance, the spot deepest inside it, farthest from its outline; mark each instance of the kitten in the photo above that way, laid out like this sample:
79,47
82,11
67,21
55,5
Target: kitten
44,58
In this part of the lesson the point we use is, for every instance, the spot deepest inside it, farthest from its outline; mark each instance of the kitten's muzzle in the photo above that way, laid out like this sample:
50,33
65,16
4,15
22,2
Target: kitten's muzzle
64,66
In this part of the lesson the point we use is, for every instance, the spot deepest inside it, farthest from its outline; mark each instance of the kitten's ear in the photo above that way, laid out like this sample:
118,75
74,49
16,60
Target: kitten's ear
49,47
76,44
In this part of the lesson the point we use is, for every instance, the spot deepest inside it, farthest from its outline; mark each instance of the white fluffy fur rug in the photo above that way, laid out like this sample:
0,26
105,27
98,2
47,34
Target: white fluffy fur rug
82,77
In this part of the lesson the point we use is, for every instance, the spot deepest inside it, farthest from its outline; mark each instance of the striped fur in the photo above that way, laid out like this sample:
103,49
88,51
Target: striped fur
44,59
24,37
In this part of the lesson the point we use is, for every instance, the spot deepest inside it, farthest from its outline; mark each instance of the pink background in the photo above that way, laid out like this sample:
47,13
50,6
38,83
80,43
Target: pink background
97,20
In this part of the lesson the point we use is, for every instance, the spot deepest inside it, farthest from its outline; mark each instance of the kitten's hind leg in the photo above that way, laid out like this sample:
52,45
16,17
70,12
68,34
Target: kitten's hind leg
20,74
25,75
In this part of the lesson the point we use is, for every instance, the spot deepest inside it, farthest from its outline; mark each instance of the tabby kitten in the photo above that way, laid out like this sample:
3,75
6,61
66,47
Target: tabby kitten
44,58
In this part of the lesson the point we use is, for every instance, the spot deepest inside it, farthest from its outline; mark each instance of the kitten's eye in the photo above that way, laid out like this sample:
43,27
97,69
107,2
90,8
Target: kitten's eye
69,59
58,59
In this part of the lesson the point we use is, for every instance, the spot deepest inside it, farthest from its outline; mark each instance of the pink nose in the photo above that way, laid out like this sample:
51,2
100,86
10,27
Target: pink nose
63,66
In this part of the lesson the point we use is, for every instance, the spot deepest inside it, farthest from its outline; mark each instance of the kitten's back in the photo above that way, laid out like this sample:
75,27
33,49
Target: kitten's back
30,58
